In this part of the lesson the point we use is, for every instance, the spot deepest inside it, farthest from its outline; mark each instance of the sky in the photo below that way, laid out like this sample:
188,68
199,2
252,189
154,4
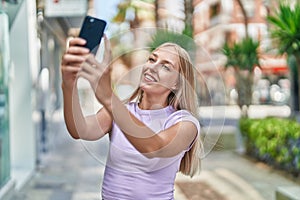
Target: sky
106,9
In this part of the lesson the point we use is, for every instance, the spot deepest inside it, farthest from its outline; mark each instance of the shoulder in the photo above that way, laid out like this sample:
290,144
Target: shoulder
180,116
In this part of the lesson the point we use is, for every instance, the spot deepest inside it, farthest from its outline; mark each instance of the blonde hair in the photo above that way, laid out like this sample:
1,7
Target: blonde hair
183,98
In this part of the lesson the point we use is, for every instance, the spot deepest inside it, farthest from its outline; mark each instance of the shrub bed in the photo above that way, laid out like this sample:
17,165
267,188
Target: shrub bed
274,141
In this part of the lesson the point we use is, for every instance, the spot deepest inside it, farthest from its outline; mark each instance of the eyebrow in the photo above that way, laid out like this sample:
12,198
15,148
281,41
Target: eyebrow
164,61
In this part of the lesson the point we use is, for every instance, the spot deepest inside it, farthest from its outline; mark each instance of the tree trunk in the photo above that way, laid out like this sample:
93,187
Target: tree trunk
244,89
245,16
156,13
188,11
294,102
298,73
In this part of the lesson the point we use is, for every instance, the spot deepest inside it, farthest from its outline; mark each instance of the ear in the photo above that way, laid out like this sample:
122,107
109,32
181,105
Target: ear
174,87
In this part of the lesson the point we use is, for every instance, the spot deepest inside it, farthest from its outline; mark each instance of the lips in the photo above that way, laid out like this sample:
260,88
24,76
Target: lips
149,77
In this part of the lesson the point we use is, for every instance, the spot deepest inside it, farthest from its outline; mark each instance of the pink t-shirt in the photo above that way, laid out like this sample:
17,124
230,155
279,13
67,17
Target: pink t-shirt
129,175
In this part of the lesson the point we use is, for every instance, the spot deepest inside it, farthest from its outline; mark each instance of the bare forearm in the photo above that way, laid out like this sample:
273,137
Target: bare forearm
74,118
166,143
141,136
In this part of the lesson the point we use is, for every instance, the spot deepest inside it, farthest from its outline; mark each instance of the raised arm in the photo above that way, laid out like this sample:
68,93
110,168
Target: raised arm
80,127
167,143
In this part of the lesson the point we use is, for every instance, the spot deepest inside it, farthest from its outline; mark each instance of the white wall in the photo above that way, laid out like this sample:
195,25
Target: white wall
23,58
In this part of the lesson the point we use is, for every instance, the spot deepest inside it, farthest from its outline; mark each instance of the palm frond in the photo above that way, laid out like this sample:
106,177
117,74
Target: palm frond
242,55
285,28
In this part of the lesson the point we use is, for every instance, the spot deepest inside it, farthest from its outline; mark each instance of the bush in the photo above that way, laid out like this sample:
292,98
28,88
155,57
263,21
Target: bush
275,141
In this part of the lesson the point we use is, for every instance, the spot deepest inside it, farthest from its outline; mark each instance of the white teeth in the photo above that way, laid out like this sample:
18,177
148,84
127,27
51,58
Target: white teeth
149,77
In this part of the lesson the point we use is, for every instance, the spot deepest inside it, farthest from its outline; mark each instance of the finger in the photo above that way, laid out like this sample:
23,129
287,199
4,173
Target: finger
77,50
91,60
86,67
69,68
77,41
69,58
107,53
97,67
86,76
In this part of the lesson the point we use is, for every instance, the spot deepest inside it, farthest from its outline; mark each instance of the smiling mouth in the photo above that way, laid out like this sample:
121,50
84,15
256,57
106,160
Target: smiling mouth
149,77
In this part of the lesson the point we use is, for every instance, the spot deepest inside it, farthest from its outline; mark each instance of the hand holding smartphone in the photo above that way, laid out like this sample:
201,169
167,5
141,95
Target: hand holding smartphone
92,31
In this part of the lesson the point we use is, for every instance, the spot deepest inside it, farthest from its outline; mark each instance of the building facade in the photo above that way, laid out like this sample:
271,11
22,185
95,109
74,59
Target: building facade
18,61
217,21
32,39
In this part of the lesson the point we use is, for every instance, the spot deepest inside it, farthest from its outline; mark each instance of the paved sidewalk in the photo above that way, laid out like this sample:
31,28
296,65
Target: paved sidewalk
73,170
236,177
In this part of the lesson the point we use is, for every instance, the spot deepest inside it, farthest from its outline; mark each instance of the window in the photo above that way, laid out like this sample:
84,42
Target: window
4,122
214,10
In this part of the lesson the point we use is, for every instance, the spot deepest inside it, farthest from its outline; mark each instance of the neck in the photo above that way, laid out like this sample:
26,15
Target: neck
154,103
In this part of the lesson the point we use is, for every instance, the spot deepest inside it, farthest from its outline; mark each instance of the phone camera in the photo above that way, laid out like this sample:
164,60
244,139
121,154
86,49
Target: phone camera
92,20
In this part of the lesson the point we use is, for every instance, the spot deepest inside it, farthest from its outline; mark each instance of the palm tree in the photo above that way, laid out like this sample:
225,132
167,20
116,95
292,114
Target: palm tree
243,57
285,31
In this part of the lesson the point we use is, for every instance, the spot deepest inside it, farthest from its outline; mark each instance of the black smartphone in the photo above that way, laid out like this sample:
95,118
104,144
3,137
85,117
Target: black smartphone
92,30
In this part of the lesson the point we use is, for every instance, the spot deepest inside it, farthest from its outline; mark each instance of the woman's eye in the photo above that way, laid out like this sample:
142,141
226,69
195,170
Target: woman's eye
151,60
166,67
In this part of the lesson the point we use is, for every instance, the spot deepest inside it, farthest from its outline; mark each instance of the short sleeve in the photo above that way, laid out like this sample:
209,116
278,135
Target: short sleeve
182,115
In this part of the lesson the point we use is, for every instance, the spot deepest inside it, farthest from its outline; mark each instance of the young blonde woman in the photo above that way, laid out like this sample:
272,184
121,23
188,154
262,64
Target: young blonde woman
152,136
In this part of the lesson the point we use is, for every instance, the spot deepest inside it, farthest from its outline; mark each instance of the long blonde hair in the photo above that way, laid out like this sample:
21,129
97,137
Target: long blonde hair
183,98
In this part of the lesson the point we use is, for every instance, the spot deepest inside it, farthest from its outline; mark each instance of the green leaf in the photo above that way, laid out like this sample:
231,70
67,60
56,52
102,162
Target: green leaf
285,28
242,55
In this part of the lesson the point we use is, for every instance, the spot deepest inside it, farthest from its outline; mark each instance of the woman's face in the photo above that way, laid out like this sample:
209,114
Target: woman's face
161,72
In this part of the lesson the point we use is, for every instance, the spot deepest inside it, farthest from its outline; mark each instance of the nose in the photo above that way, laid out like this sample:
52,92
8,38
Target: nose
154,67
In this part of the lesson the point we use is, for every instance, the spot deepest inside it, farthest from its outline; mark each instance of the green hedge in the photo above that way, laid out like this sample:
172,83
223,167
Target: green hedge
275,141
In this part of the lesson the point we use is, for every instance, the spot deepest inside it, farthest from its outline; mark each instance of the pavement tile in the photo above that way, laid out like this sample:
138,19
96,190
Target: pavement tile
61,195
199,191
86,196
